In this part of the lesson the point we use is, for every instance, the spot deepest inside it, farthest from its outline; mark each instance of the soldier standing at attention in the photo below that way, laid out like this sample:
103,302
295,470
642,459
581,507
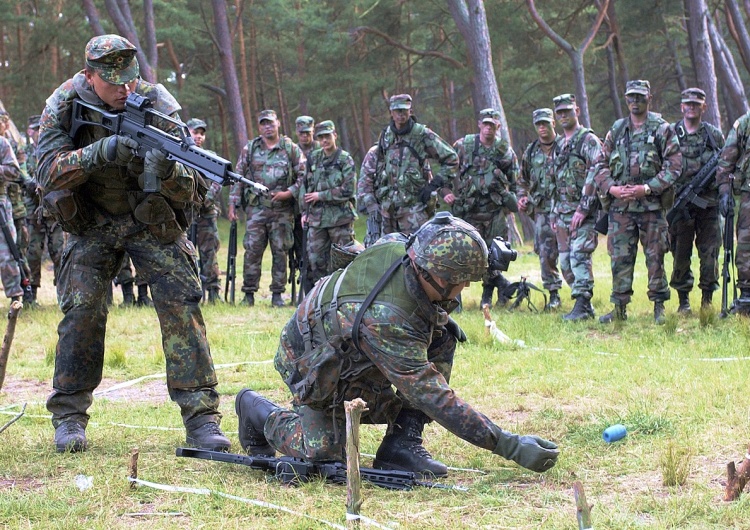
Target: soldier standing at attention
575,204
638,165
535,199
485,189
99,174
699,140
305,126
327,200
207,227
276,162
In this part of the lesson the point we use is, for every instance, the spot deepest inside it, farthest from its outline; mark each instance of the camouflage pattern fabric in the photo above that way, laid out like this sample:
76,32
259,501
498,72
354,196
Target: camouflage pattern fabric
91,260
319,242
309,148
535,182
9,171
208,242
126,274
404,345
703,226
489,227
44,232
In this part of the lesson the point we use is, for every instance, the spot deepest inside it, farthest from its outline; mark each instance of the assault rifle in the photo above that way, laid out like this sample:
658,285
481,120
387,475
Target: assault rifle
690,193
726,275
138,123
231,264
289,470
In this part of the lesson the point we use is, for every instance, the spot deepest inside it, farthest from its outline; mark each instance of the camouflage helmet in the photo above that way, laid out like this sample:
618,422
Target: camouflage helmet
343,255
449,248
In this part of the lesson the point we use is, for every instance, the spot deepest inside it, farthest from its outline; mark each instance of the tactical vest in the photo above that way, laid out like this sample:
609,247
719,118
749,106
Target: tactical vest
571,168
478,176
399,185
325,173
645,145
282,182
695,154
541,186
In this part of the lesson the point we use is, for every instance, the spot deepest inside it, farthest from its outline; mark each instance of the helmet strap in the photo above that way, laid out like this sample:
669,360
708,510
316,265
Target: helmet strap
443,292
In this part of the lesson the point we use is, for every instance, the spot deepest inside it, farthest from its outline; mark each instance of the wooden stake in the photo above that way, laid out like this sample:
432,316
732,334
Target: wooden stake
737,478
583,510
353,410
133,467
15,309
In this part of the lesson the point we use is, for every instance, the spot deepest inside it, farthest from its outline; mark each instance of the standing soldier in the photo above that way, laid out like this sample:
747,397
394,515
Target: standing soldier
403,189
485,189
276,162
535,198
207,229
636,170
305,126
699,141
327,201
10,171
575,204
44,231
98,172
14,189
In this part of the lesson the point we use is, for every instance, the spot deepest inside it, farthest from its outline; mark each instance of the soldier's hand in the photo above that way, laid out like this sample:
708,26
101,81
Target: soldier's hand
158,162
121,149
531,452
449,199
523,203
726,204
231,213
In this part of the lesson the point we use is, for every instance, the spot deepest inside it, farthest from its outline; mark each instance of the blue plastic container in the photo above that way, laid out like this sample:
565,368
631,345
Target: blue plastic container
614,433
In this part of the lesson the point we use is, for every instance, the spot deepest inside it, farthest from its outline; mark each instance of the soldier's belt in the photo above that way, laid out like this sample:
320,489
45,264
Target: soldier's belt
274,205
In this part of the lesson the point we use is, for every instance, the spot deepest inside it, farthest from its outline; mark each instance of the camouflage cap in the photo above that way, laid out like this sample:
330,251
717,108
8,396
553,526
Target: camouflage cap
564,101
305,123
542,115
638,86
693,95
400,101
449,248
196,123
34,121
4,116
489,116
113,57
325,127
267,114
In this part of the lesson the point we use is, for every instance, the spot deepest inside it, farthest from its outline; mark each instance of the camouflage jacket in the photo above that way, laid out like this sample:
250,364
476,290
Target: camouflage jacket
487,175
649,155
396,331
211,206
10,170
366,200
112,189
334,178
697,148
307,149
31,200
573,180
404,175
734,162
279,168
535,181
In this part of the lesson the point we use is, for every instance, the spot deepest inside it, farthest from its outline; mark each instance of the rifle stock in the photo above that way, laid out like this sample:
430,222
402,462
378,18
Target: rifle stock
229,284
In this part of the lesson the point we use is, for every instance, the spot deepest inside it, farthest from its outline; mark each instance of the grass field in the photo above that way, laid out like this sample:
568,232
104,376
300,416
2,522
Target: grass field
680,389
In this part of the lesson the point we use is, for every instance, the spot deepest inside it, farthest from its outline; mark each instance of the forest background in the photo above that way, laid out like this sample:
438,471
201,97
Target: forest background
225,60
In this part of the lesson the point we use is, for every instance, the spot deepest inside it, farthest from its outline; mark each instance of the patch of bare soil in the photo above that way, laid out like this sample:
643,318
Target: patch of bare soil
24,484
24,390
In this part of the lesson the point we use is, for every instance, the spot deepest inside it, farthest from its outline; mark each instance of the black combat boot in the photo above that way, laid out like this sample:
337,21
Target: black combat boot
741,306
252,410
249,300
213,295
70,437
582,310
128,298
554,301
143,299
707,296
684,307
402,448
619,312
487,290
208,436
276,300
659,313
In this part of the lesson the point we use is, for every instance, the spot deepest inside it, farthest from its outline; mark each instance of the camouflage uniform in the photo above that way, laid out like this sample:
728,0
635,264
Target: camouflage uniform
330,219
104,227
485,189
366,202
126,278
535,182
9,271
649,155
402,189
268,222
702,224
14,189
305,124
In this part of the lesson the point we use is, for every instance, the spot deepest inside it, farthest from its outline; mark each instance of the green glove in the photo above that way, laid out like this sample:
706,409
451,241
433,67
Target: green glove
158,162
531,452
113,149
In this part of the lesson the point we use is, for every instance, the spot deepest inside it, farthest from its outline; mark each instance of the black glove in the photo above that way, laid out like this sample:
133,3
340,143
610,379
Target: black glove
531,452
455,330
726,203
158,162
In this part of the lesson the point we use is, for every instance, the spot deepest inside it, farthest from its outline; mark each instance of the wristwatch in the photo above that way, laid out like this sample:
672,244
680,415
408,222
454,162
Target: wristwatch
647,189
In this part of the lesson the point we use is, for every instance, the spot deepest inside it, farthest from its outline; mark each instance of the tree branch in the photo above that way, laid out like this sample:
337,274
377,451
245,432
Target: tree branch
93,14
358,33
594,29
557,39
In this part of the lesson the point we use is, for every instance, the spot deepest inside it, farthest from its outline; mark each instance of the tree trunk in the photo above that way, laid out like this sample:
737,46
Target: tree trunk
243,71
728,74
740,33
614,91
93,15
119,13
696,13
150,29
679,74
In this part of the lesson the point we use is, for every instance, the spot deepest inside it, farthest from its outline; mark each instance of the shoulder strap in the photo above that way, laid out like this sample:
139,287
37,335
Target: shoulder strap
529,150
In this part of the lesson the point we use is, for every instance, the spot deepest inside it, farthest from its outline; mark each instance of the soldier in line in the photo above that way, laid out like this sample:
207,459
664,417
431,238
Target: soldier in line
305,125
400,292
207,229
327,201
15,190
699,140
97,176
575,204
401,186
535,199
366,202
276,162
126,278
635,173
10,171
485,189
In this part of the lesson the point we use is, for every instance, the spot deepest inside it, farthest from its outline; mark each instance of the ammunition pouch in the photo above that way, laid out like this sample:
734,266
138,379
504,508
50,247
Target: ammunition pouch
67,208
160,218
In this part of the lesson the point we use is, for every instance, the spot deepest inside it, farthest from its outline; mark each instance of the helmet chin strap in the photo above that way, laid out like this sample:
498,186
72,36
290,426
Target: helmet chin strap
443,292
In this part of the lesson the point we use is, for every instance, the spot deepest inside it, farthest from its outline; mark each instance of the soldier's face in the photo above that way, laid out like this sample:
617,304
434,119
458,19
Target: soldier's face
637,103
269,129
487,131
199,136
568,118
327,142
113,95
400,117
304,137
692,110
545,130
3,127
33,133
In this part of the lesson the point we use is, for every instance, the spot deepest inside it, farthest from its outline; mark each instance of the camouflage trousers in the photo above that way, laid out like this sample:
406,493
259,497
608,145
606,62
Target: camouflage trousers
89,263
319,241
545,246
406,220
44,232
625,230
266,226
575,250
489,225
208,249
126,274
703,228
320,435
742,248
10,274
